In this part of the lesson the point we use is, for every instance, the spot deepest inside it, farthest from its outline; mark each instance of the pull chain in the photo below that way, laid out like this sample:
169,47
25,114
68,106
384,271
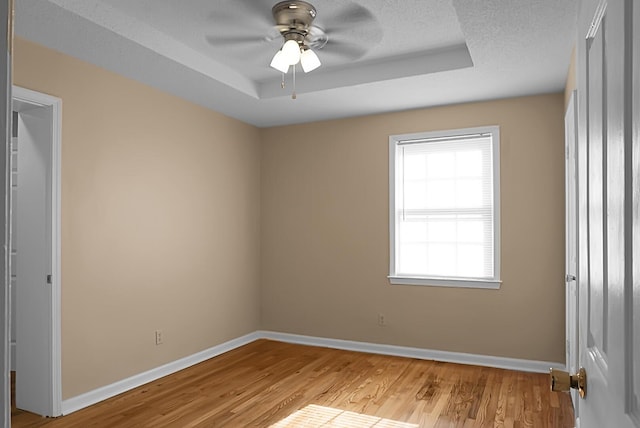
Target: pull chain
282,83
293,94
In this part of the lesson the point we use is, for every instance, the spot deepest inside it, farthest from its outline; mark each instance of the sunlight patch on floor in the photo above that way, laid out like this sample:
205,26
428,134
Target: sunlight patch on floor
314,416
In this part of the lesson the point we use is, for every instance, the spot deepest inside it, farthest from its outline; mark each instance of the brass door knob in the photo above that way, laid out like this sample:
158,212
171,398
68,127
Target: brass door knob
562,381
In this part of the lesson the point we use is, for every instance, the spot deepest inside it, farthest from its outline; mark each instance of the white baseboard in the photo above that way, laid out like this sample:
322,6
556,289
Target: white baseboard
92,397
420,353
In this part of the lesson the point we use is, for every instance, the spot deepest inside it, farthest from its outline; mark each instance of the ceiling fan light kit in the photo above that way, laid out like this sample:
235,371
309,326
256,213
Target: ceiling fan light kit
309,60
279,62
291,51
294,20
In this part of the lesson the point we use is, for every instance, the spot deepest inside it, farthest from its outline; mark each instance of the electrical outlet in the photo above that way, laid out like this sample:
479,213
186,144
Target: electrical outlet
159,338
381,320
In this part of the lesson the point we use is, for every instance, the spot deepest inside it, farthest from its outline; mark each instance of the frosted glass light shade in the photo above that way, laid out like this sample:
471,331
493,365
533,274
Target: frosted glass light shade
291,52
309,60
279,62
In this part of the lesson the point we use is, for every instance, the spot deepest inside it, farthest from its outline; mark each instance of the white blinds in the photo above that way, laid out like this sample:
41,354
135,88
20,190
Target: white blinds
444,207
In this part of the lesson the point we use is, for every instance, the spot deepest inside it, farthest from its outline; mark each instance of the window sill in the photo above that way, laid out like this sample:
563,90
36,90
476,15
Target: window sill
442,282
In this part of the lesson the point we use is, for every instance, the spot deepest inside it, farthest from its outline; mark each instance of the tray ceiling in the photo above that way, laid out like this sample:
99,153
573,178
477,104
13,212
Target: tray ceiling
410,54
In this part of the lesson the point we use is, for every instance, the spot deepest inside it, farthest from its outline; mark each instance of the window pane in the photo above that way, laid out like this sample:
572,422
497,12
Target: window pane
413,231
441,165
471,231
440,194
442,231
414,166
469,163
414,194
469,193
442,259
412,259
470,260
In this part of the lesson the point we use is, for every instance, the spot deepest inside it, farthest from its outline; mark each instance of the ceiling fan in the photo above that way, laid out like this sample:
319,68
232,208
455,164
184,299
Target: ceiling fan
342,30
294,21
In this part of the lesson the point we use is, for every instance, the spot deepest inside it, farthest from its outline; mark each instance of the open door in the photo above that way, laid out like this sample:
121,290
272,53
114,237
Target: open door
37,245
608,216
32,239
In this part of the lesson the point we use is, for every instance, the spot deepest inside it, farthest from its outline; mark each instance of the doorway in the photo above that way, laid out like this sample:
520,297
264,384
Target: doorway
35,252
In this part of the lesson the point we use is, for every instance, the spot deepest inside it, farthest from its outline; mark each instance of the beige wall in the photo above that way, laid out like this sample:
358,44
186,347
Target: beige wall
170,212
160,221
325,235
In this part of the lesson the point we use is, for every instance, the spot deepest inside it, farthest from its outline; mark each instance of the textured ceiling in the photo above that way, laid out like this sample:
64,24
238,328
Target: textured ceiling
391,55
249,22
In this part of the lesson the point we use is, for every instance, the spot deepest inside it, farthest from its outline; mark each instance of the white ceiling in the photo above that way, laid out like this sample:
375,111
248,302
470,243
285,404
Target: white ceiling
396,55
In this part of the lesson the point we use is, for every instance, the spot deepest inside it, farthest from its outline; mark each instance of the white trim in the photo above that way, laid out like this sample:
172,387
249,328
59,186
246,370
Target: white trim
34,98
397,140
497,242
434,282
392,205
6,19
572,300
13,356
92,397
420,353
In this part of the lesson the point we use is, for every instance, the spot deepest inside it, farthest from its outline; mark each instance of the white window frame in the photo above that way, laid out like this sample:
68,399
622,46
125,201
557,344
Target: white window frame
394,142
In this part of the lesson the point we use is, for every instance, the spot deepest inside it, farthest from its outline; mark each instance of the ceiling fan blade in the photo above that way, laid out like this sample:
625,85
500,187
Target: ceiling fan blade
238,25
352,26
346,17
344,50
231,40
243,14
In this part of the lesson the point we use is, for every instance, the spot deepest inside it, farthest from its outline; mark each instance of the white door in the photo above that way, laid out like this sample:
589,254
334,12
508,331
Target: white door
33,264
609,306
36,212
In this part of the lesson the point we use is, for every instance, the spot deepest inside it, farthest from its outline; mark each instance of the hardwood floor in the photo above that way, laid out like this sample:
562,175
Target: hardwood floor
273,384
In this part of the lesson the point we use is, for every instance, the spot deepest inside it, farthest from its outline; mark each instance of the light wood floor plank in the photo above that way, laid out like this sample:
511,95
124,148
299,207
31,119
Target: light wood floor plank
280,385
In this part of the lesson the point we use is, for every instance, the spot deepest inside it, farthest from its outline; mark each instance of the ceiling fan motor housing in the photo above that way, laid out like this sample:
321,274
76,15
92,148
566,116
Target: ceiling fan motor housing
294,19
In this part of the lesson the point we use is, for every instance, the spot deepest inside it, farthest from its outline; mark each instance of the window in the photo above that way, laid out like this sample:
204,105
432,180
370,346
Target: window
445,208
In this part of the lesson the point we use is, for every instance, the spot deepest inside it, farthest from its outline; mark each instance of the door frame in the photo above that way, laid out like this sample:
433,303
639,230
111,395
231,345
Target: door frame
572,291
6,41
22,96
